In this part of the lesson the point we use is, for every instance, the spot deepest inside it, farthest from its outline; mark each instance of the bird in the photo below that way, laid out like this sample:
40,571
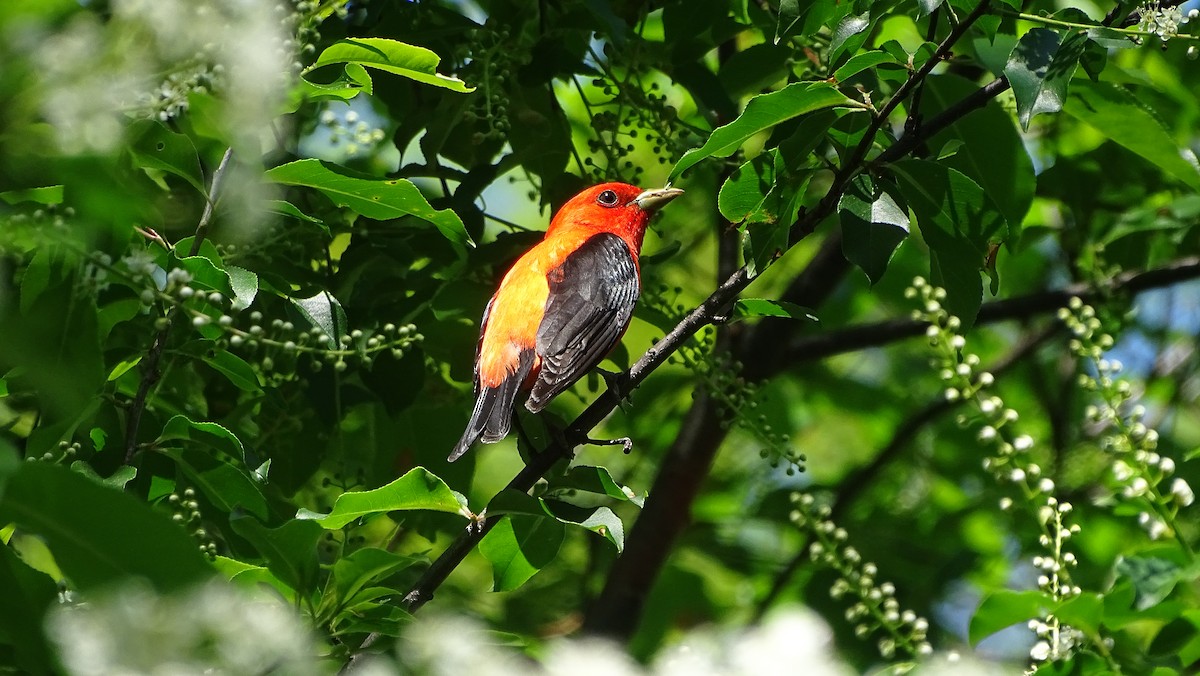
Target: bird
562,307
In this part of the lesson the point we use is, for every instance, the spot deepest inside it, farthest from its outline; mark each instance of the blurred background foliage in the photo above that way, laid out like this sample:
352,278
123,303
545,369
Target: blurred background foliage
244,247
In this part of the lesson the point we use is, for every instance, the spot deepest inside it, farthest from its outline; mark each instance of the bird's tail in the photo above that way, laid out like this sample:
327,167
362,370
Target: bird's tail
492,416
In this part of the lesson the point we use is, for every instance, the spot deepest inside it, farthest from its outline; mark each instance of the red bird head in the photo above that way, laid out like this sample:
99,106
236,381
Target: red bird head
619,208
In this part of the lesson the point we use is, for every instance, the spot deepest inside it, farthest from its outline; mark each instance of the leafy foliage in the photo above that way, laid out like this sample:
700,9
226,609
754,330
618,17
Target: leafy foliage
244,248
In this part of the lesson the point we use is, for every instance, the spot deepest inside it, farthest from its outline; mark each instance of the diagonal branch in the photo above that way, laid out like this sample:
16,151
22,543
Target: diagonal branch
150,367
714,306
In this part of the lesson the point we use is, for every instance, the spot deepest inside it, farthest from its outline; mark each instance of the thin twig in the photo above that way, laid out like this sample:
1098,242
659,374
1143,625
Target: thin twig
150,367
714,306
818,346
858,157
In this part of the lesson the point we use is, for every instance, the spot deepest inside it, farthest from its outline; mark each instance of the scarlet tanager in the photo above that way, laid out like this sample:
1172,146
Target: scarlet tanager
562,307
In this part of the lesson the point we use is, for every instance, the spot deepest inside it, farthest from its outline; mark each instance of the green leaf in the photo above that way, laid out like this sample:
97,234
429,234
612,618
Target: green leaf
601,520
225,486
100,535
354,80
206,434
418,489
927,6
377,198
594,479
989,149
284,208
49,195
36,278
206,275
744,195
848,36
957,220
520,546
28,595
762,243
860,62
410,61
118,479
244,284
123,367
324,312
289,550
363,567
1153,578
1040,69
747,308
1005,608
1116,113
764,112
873,226
154,146
789,15
1084,612
233,367
1178,639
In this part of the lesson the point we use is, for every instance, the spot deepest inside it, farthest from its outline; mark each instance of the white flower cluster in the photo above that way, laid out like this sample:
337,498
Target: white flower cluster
875,608
1139,472
443,646
146,58
1163,21
1010,463
965,381
215,628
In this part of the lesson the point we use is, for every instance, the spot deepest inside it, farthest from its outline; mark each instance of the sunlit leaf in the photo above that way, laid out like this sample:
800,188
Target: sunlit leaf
748,308
1040,69
873,226
418,489
761,113
100,535
410,61
518,547
1005,608
1115,112
206,434
378,198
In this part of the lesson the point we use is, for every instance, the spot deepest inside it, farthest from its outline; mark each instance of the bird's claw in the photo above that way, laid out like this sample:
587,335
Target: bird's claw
625,443
476,524
617,383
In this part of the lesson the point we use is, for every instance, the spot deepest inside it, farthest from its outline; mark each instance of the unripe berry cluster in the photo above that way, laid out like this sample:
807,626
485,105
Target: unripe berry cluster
351,133
873,606
489,60
186,512
279,344
67,451
634,113
736,397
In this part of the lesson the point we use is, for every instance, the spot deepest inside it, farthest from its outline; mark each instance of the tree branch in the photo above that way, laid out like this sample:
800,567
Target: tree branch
714,306
150,367
818,346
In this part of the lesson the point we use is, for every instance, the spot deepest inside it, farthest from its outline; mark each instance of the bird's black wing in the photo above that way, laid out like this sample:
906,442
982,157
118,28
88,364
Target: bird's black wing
592,296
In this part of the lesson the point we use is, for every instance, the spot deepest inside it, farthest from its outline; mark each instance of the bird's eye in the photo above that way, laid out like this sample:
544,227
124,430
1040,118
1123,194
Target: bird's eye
607,198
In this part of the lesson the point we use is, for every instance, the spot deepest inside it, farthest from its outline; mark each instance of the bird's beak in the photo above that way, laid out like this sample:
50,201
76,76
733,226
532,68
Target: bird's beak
653,200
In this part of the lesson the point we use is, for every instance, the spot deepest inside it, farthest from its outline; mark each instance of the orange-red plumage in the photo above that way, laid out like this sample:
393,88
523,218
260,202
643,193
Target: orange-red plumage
562,306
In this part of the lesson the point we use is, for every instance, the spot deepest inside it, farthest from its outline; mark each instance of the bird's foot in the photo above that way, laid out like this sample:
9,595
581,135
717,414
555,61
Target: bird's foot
618,383
625,443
